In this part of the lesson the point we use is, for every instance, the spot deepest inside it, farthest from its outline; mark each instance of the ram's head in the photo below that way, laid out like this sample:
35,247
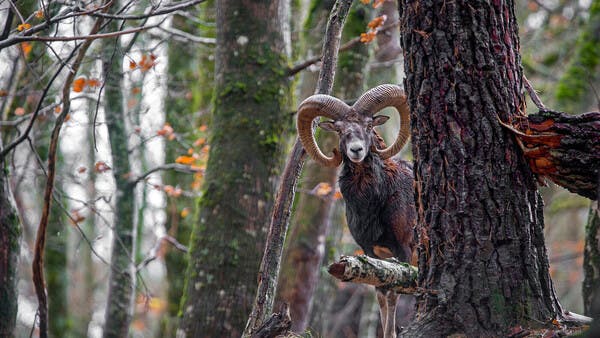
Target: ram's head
354,124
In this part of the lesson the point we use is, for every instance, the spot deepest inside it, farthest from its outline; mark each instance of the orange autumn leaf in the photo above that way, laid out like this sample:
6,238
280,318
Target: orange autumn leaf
367,37
377,22
93,83
200,141
378,3
137,129
136,90
23,27
67,118
132,64
101,167
185,160
79,84
39,14
57,109
26,47
138,325
322,189
132,102
366,2
157,305
203,128
172,191
76,217
81,170
166,130
185,212
190,151
19,111
171,137
337,195
3,93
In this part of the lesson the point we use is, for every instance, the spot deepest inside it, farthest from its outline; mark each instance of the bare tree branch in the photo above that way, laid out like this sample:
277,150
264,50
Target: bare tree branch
40,241
533,95
189,37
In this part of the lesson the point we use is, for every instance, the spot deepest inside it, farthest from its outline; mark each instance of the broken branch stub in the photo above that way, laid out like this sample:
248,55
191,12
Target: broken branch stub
562,148
398,276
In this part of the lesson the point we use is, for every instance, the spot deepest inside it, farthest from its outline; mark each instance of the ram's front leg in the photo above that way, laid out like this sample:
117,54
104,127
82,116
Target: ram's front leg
387,308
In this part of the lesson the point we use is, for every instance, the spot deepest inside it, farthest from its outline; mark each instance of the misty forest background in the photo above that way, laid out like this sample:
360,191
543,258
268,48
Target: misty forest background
155,149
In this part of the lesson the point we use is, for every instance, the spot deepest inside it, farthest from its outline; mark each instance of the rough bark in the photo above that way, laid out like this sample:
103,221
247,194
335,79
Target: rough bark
591,264
563,148
10,233
389,274
270,264
246,137
121,288
483,264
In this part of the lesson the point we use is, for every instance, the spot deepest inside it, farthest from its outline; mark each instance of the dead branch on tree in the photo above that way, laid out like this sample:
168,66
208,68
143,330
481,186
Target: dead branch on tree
398,276
269,267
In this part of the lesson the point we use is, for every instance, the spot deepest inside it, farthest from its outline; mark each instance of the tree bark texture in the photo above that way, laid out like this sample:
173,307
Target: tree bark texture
122,279
246,138
483,264
399,276
10,233
271,260
591,264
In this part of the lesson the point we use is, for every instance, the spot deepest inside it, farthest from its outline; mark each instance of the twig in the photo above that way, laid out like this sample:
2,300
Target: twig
89,37
165,10
171,166
534,97
156,247
25,134
269,267
189,37
348,45
40,241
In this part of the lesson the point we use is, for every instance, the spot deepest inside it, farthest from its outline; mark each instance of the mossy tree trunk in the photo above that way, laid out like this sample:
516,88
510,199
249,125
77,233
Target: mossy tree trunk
10,233
591,263
246,136
121,288
190,90
480,224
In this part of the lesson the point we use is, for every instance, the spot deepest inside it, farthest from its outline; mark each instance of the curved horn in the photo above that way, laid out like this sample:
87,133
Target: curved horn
382,96
309,109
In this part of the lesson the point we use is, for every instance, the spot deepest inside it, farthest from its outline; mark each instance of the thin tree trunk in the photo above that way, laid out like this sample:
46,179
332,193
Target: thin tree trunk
121,290
483,264
591,262
248,130
305,246
10,233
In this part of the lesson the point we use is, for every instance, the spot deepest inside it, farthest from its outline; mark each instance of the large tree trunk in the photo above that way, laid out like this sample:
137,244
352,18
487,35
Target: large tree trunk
121,289
10,233
483,264
246,137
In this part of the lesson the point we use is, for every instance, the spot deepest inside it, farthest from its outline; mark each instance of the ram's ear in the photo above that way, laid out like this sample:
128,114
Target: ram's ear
380,119
327,125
